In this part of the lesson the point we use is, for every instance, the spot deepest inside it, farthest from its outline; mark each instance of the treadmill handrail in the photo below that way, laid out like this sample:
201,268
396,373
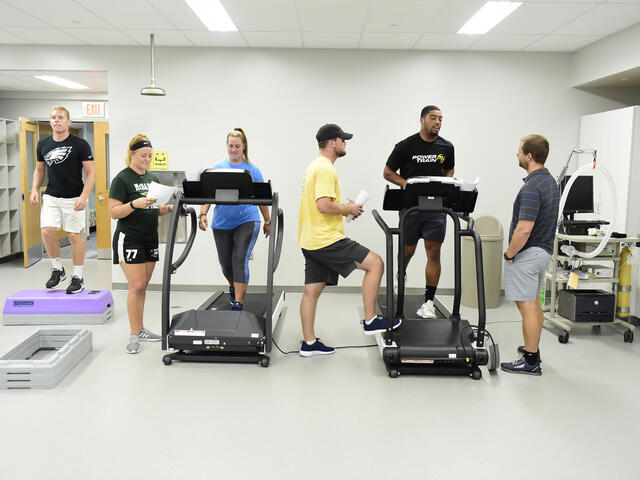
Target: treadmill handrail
279,238
388,233
192,237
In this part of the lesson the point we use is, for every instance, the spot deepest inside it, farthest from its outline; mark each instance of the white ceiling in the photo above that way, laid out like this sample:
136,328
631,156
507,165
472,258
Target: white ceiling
538,25
24,80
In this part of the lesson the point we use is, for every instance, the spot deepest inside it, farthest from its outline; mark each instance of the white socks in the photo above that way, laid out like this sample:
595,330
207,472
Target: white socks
368,322
56,264
77,271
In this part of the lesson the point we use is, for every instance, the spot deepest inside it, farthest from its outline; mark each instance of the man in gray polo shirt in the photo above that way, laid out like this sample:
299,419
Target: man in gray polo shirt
533,227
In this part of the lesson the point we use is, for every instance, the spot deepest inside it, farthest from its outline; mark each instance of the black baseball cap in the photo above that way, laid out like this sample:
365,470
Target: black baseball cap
331,131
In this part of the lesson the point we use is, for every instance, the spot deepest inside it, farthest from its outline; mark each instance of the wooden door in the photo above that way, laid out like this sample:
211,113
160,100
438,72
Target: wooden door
103,218
31,236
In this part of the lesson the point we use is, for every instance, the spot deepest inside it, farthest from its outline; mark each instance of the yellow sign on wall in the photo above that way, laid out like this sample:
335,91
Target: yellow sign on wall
160,160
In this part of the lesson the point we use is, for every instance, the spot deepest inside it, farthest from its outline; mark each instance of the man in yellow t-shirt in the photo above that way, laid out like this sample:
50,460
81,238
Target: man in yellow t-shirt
327,252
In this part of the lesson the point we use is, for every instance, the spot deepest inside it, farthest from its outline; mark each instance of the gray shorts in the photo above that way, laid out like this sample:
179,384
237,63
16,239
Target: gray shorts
523,278
324,265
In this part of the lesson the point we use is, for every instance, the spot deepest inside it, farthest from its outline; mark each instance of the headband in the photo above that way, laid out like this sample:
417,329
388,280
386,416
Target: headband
140,144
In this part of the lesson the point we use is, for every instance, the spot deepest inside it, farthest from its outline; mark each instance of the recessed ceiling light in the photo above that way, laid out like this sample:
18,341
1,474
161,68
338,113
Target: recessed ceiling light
491,14
213,15
63,82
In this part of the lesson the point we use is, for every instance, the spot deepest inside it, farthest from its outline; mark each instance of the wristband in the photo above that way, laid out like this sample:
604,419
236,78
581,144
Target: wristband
202,215
508,259
131,205
268,223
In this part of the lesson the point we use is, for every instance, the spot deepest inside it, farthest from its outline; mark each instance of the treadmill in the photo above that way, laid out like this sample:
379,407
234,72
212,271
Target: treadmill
212,332
446,345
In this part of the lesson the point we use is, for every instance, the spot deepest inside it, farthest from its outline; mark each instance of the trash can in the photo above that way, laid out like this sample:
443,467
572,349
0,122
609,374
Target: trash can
491,235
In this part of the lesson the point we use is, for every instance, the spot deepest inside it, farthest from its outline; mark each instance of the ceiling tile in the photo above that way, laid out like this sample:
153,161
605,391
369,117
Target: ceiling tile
10,82
402,16
60,13
603,20
101,36
273,39
445,41
12,17
178,13
540,18
11,39
333,15
453,17
330,40
263,15
163,38
562,43
45,36
389,40
134,14
503,42
215,39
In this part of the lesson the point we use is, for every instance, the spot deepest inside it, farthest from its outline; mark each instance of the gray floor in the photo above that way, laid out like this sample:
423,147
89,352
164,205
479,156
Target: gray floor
129,416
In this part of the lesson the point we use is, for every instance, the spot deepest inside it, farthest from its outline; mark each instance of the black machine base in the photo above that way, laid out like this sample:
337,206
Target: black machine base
434,347
216,357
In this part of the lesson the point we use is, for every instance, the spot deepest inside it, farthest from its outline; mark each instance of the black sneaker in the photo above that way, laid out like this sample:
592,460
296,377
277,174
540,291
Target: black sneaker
56,277
232,295
521,352
76,285
521,366
317,348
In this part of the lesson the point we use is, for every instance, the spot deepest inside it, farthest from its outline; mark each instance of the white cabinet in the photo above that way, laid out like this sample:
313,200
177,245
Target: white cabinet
10,215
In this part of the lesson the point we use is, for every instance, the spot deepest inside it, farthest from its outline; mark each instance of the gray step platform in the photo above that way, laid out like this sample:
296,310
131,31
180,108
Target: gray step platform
19,371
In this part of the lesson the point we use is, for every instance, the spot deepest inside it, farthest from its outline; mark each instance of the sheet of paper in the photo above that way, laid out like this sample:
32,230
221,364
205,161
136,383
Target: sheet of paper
361,199
160,192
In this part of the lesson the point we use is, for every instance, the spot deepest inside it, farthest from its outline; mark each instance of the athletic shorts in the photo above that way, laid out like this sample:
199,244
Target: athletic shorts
234,249
325,264
59,213
523,278
427,225
132,250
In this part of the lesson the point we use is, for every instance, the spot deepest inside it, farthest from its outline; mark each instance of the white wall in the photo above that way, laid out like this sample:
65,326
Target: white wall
281,97
37,105
614,54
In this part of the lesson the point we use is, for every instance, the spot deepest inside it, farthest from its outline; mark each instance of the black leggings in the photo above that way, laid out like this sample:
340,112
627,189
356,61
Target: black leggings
234,249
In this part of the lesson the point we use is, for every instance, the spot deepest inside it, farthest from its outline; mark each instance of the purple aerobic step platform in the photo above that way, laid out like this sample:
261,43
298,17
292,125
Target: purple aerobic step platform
56,307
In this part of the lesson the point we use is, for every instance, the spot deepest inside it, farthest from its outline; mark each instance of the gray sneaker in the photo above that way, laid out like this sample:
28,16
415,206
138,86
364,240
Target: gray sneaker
147,336
133,346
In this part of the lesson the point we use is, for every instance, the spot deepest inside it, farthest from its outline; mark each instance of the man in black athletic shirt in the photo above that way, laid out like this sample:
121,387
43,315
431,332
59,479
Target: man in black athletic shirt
66,197
424,154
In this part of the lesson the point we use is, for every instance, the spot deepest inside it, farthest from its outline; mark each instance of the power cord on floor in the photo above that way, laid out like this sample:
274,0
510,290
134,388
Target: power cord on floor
337,348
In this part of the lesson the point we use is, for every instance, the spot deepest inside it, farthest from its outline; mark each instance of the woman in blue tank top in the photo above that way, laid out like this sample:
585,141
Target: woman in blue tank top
236,227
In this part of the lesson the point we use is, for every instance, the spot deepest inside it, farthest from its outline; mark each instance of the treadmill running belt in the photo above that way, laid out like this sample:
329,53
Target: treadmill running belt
411,305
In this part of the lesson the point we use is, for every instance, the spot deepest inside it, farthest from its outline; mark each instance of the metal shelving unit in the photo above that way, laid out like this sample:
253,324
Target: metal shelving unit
611,253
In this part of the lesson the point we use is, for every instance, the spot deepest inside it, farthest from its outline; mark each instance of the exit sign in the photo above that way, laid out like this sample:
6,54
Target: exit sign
93,109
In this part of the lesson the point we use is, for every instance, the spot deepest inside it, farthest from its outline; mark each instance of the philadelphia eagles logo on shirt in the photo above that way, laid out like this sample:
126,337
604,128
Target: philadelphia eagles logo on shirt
57,155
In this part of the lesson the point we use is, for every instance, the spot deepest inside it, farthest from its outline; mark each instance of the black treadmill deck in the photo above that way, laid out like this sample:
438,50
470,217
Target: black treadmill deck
440,346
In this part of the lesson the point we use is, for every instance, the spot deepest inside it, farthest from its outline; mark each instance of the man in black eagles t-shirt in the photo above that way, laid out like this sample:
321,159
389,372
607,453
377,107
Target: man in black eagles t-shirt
65,199
423,154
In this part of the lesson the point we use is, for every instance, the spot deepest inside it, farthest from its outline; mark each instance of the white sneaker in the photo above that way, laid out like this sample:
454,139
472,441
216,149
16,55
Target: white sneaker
427,310
133,346
148,336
